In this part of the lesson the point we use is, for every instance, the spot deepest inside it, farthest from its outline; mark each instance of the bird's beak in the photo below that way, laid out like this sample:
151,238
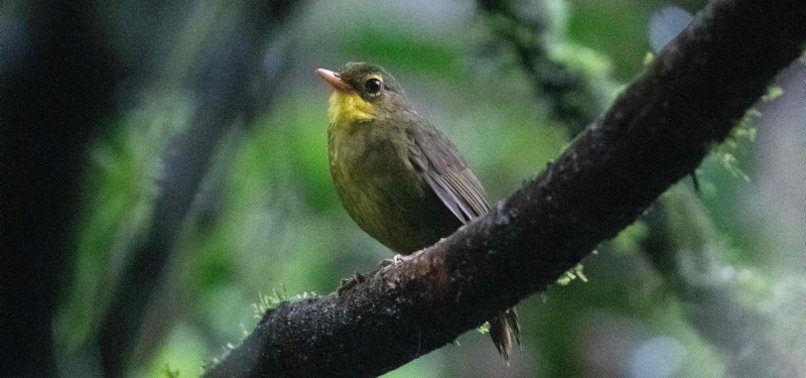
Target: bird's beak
333,79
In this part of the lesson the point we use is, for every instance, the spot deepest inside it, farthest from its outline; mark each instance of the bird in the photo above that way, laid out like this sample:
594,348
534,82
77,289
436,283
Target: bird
399,177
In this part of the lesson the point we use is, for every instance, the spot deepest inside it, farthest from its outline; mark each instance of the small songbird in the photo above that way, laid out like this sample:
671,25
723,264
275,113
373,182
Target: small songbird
398,176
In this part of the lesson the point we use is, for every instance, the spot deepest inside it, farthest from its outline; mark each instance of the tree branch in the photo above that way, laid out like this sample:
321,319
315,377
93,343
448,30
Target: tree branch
711,305
657,131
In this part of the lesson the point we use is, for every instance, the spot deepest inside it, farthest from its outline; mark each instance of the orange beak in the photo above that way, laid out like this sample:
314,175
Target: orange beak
333,79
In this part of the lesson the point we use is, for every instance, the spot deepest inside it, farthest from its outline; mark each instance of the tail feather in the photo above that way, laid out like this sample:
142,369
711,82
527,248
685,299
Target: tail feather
505,331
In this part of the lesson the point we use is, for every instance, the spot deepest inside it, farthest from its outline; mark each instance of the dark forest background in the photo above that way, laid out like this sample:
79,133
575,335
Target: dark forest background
165,178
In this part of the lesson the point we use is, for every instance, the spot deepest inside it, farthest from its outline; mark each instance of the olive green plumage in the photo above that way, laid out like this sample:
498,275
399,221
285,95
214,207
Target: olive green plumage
398,176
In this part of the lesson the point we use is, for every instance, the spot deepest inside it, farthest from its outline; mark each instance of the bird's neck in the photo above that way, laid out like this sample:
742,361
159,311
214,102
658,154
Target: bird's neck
348,108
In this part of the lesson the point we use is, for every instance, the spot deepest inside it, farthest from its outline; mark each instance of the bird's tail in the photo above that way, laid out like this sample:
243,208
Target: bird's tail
505,331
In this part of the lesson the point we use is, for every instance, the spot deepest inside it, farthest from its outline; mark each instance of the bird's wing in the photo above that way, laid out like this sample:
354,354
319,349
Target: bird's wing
447,174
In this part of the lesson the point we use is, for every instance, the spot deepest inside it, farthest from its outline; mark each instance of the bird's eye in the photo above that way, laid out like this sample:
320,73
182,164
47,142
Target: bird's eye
373,86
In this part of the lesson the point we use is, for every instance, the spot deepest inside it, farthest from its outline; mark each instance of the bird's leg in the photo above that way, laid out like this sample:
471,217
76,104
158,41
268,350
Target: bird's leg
349,283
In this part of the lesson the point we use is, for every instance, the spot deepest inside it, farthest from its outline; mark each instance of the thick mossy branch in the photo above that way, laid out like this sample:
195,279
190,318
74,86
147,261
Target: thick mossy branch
656,132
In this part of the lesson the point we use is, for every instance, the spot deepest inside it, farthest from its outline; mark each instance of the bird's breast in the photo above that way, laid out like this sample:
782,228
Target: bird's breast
380,188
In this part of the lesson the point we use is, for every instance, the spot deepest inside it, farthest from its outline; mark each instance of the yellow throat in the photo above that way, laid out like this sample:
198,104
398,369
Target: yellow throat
348,107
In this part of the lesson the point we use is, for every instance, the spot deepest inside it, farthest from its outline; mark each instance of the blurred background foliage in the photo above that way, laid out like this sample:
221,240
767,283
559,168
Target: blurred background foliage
265,217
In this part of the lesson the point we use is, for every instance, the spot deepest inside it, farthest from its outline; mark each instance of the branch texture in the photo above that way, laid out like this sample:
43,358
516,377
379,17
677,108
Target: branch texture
712,307
656,132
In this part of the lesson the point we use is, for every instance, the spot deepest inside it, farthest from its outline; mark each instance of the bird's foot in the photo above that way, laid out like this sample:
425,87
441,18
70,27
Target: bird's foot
396,259
349,283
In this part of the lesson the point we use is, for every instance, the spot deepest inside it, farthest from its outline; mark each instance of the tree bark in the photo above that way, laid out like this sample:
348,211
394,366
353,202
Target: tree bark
656,132
711,305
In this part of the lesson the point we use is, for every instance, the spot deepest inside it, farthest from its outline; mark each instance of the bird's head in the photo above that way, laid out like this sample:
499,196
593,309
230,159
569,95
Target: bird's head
362,92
